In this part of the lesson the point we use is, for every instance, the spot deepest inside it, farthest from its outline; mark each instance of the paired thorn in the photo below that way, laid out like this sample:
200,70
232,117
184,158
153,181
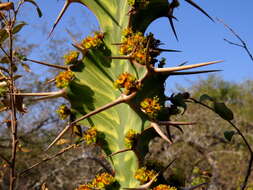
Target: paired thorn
180,68
122,99
156,127
48,64
172,26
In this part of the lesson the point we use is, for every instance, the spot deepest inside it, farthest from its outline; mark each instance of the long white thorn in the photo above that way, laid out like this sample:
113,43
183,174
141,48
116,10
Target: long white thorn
185,67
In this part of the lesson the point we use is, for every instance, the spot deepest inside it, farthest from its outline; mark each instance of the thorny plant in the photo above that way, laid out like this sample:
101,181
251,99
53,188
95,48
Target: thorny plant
116,90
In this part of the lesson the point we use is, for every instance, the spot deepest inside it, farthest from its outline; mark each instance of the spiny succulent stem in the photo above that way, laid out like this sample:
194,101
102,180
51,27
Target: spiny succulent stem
159,131
123,98
180,68
120,151
194,72
175,123
48,64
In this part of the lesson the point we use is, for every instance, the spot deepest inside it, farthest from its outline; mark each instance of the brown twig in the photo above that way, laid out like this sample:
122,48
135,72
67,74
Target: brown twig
47,159
248,172
243,43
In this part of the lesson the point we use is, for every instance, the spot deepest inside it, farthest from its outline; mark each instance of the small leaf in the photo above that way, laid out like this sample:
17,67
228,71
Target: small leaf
3,35
223,111
17,77
36,5
18,27
205,97
229,135
63,141
25,150
26,67
4,59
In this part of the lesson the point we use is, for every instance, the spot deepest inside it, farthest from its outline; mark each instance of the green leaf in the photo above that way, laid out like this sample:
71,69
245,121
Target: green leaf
223,111
18,27
229,135
37,7
26,67
205,97
4,59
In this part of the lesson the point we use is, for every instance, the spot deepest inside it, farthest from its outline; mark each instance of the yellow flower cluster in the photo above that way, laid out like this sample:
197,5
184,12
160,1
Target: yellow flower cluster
128,82
84,187
144,175
90,136
93,41
71,57
134,44
63,78
63,111
164,187
130,137
151,106
99,182
133,2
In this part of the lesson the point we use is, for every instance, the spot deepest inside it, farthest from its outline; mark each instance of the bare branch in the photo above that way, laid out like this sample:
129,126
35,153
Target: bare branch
48,158
243,43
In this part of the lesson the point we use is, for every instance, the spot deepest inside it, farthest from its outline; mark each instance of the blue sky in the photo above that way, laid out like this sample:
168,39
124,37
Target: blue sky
200,39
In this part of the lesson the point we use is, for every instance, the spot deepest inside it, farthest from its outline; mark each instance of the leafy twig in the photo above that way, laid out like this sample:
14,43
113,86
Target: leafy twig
248,172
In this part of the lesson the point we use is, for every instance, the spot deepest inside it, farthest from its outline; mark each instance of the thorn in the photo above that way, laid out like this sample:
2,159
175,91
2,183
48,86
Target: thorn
180,68
65,6
199,8
158,130
172,26
194,72
121,99
55,94
176,123
48,64
120,151
181,64
167,50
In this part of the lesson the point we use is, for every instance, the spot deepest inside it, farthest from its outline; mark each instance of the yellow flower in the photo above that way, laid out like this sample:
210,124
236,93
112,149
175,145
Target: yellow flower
84,187
93,41
164,187
128,82
151,106
90,136
130,137
102,180
63,111
63,78
144,175
71,57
